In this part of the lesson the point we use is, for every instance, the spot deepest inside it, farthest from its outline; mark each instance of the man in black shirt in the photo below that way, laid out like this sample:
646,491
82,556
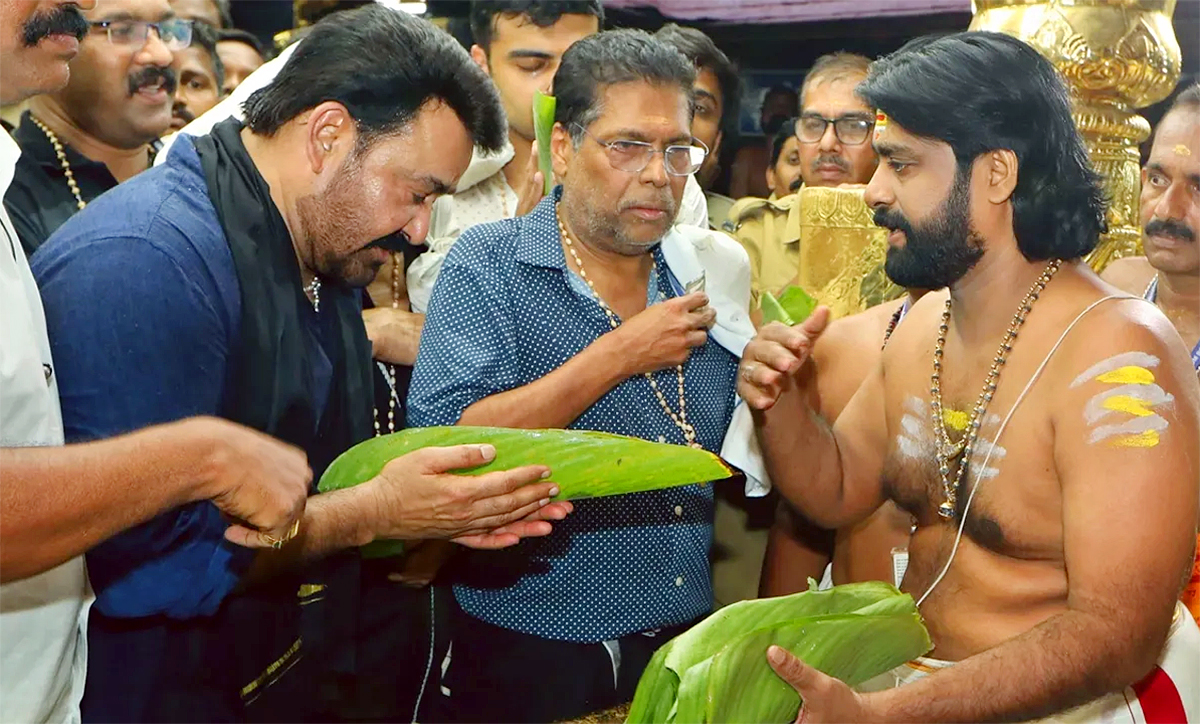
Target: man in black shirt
102,127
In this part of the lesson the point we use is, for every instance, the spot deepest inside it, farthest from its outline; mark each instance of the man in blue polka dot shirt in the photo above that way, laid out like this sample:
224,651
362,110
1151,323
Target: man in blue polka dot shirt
570,317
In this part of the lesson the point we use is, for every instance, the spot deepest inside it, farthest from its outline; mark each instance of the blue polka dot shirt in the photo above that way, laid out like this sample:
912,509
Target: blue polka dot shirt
507,311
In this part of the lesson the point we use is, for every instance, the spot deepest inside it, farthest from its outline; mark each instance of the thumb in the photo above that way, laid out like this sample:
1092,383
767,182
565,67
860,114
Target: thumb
791,669
437,460
816,322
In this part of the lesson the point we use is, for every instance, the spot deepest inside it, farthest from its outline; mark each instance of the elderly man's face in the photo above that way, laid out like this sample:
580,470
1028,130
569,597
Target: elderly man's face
830,160
121,90
627,211
1171,195
37,39
365,198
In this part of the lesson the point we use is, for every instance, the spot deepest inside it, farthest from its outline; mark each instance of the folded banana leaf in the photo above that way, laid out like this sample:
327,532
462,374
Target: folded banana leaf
543,123
583,463
791,307
718,671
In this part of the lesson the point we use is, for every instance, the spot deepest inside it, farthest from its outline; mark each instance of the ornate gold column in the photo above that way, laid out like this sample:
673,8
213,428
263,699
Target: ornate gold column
1116,56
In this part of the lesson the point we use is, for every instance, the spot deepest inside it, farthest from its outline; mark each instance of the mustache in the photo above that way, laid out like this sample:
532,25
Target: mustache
796,183
396,242
152,74
63,20
831,159
1170,228
181,111
892,220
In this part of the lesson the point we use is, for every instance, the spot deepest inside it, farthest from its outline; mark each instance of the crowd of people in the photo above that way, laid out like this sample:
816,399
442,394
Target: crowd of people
224,269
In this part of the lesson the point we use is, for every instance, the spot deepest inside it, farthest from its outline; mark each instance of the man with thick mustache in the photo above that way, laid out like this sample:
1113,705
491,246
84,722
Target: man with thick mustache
834,149
1040,429
1169,274
100,129
225,282
576,315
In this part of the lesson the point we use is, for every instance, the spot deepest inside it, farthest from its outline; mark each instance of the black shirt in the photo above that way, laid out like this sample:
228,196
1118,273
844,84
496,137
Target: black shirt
39,200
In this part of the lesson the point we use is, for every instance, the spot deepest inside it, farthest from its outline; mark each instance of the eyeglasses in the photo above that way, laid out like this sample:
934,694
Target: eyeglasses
175,33
850,130
634,156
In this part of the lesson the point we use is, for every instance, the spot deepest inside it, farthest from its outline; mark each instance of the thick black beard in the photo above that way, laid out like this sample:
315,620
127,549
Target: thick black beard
938,252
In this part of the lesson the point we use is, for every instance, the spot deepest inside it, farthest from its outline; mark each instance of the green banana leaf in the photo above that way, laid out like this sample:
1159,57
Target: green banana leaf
543,123
742,686
797,303
715,671
791,307
773,311
583,463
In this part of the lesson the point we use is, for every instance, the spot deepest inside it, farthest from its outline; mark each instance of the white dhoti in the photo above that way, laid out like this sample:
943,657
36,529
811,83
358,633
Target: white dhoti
1170,694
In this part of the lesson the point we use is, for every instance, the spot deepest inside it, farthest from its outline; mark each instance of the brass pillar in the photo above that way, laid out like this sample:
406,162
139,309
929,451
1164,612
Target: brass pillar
1116,56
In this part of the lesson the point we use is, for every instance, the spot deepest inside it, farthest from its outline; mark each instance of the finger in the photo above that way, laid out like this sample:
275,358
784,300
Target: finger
516,481
493,513
537,183
444,459
803,678
816,322
487,541
696,338
247,537
774,356
554,511
526,529
692,301
761,376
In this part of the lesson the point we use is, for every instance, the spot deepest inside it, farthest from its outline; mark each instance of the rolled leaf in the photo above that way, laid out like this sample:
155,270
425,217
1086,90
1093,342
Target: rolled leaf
543,123
772,311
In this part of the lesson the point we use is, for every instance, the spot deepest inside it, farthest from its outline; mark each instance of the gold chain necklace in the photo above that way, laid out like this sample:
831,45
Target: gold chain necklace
62,161
947,452
680,419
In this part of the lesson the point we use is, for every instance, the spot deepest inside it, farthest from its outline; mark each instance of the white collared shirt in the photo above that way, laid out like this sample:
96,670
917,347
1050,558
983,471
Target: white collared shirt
43,619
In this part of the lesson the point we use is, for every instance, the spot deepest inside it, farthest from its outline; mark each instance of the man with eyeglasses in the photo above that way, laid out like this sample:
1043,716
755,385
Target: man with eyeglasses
578,315
834,148
100,129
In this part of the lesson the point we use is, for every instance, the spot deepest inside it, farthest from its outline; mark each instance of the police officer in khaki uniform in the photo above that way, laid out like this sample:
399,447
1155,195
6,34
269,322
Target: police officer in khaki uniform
834,135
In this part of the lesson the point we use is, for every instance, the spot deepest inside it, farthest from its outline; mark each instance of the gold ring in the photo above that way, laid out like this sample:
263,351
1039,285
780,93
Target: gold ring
295,529
277,543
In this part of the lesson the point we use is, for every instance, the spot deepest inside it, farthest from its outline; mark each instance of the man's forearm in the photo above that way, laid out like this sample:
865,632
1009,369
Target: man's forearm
58,502
802,457
796,551
556,400
1067,660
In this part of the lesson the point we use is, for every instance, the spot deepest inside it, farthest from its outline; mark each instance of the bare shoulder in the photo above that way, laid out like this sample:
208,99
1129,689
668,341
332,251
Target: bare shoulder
1131,274
1124,356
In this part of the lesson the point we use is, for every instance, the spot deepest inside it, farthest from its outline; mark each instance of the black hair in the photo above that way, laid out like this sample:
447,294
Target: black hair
206,37
781,90
705,55
984,91
410,63
241,36
614,56
786,131
542,13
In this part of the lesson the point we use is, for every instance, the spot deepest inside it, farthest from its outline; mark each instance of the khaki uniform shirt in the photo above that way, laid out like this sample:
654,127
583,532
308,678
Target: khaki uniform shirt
770,232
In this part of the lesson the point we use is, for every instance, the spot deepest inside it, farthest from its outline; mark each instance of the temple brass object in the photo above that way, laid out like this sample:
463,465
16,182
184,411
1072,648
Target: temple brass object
1116,56
842,251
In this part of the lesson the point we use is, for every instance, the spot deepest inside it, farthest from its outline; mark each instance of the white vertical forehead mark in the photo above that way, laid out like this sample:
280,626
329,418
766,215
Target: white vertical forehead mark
1116,362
